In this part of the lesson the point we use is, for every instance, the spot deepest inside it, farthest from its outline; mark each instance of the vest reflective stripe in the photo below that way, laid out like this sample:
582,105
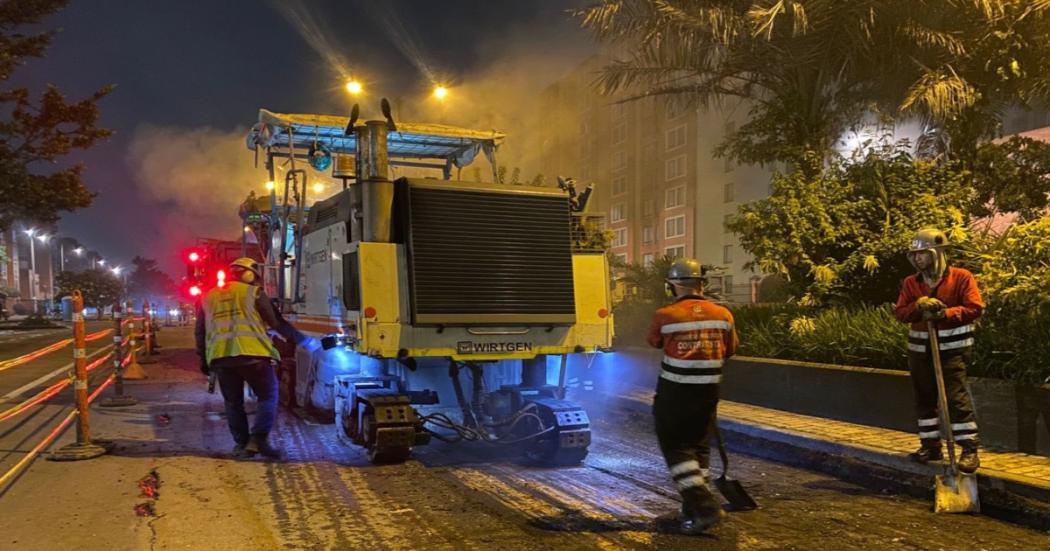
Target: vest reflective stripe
692,363
694,325
233,326
957,344
943,332
691,379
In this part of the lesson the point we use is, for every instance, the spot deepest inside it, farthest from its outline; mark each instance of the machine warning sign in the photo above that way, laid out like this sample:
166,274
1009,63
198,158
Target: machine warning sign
470,347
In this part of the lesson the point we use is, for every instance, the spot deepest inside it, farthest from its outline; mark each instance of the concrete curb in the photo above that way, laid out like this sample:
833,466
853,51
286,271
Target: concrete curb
1009,496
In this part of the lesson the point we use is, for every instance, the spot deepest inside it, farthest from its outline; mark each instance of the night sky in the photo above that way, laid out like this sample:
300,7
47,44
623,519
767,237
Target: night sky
210,65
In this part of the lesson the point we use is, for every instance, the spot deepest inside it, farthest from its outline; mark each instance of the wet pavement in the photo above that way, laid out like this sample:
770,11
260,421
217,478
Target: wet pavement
325,495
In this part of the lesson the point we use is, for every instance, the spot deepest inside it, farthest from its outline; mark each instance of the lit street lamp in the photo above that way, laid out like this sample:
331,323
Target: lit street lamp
440,92
32,266
354,87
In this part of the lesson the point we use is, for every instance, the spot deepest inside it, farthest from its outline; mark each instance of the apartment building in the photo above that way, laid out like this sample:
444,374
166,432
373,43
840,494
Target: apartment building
656,180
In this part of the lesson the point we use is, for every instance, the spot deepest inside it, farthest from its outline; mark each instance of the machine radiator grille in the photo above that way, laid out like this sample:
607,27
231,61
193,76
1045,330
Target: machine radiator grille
483,257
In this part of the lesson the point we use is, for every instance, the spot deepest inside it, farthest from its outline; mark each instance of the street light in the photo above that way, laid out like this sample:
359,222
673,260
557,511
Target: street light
32,266
354,87
318,187
270,185
440,92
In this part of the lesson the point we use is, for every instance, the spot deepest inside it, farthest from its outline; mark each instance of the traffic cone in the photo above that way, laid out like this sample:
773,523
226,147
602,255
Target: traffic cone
134,371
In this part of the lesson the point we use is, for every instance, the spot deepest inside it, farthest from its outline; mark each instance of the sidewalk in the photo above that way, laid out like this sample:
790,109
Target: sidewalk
1003,474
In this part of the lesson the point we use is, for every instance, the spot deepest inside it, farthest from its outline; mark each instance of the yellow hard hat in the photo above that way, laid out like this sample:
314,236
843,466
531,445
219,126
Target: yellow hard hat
246,263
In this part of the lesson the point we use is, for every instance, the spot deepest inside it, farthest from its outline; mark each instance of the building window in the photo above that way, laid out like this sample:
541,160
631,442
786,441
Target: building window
727,254
727,285
619,160
674,197
619,237
675,138
648,235
621,258
674,168
619,185
647,259
725,223
674,226
675,252
617,214
648,207
619,133
729,192
674,109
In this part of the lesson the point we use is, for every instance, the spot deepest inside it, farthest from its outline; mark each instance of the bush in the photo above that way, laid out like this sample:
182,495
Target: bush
868,336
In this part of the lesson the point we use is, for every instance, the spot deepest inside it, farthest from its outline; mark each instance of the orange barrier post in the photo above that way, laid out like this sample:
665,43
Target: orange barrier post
134,371
83,448
119,399
147,336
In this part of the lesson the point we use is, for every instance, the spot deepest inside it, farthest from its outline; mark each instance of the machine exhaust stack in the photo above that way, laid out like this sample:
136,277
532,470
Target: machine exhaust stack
377,191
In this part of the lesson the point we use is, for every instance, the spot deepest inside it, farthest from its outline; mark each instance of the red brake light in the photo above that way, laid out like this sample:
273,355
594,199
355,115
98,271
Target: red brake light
220,278
195,291
194,256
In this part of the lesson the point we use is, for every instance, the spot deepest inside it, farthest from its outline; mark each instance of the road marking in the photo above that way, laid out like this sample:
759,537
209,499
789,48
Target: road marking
18,392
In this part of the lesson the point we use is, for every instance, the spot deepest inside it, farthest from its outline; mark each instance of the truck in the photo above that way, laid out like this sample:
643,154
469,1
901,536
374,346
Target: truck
418,286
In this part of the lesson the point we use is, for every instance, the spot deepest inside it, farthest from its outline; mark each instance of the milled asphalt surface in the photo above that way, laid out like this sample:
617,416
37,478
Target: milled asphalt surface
325,495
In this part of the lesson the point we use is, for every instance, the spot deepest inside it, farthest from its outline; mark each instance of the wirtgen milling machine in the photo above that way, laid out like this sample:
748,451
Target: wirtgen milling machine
422,286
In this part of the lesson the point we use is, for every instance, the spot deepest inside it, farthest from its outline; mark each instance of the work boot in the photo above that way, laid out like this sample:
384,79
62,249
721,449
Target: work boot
704,514
258,443
927,453
968,460
240,451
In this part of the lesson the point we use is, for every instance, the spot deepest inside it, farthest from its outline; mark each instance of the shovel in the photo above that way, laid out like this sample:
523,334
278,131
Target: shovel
731,489
954,491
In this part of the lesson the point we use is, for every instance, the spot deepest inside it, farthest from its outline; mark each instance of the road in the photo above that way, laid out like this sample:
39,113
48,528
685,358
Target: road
325,495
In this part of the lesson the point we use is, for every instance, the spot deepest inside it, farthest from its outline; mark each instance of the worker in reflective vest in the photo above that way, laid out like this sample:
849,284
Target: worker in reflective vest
949,297
232,340
696,336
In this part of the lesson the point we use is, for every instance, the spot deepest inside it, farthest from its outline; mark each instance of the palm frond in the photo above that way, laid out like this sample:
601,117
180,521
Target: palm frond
940,93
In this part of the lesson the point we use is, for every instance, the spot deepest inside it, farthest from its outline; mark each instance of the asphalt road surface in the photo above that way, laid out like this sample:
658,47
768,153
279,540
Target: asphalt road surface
325,495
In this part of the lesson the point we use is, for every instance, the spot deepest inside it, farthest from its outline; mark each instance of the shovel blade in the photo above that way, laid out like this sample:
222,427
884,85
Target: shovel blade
735,494
956,494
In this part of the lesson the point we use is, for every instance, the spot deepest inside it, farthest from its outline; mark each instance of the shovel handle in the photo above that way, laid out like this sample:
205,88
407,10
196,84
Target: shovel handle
942,396
721,446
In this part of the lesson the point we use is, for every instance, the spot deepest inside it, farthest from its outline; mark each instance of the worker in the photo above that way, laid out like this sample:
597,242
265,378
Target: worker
232,340
948,296
696,336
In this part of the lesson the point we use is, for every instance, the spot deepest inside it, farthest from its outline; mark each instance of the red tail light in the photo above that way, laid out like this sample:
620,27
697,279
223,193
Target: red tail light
220,278
195,291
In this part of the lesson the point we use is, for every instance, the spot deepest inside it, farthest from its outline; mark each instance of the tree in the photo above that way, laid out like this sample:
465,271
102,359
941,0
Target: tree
98,287
147,282
809,70
37,134
1013,176
840,233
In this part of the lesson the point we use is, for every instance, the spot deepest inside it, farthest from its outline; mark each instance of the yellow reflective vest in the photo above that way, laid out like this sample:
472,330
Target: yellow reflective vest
233,327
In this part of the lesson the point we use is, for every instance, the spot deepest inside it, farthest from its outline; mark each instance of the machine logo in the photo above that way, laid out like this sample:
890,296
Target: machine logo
470,347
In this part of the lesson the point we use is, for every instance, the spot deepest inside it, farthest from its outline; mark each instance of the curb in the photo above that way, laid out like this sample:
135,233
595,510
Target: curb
1008,496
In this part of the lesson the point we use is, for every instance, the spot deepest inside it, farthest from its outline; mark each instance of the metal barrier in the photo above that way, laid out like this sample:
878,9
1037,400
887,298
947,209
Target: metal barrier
83,448
147,337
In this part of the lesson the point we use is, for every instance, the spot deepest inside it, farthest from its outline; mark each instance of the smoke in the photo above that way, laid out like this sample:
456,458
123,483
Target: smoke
199,176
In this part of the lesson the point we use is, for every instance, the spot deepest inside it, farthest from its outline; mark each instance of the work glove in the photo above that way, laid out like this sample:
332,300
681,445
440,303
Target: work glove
933,315
929,304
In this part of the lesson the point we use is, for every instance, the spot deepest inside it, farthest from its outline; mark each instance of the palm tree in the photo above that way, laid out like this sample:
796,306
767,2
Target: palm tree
811,69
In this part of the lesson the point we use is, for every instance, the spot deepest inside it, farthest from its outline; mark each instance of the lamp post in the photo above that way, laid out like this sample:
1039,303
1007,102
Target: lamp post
50,273
32,266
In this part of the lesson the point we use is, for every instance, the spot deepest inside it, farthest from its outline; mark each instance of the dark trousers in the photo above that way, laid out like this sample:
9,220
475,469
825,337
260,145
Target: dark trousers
262,379
685,418
960,404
